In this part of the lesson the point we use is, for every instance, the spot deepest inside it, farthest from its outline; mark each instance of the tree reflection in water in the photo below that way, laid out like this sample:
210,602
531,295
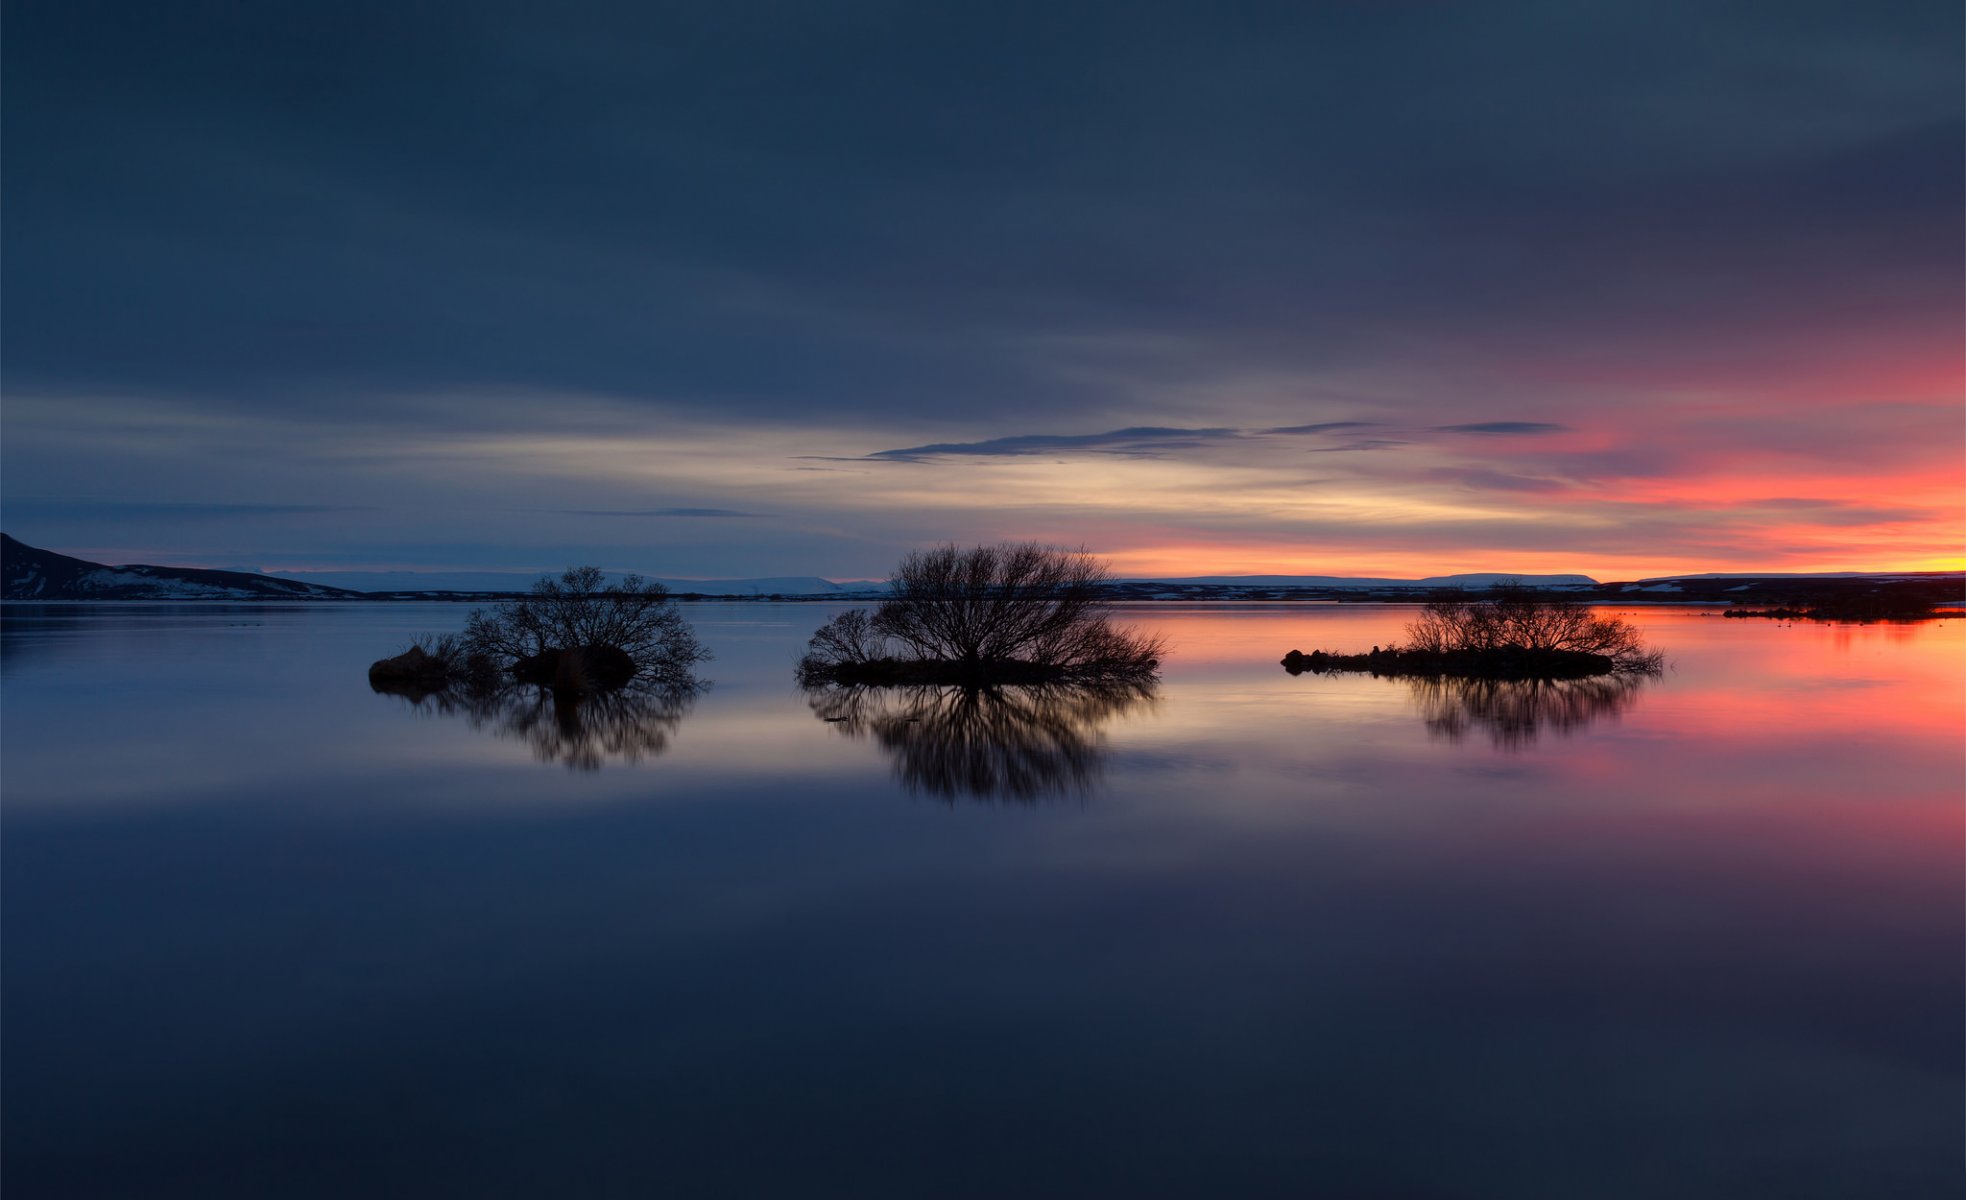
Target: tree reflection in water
1513,711
580,729
1022,743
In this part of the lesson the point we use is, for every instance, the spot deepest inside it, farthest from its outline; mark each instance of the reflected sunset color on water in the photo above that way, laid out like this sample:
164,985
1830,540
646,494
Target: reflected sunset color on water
1239,928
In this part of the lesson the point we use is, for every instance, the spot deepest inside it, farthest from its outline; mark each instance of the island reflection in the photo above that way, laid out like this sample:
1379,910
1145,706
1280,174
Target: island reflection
1018,743
582,730
1512,712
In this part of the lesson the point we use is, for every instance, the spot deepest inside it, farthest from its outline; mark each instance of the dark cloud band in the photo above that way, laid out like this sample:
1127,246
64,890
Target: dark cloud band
1527,428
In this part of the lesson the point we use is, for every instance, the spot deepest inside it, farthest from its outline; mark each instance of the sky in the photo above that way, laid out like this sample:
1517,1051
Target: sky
730,289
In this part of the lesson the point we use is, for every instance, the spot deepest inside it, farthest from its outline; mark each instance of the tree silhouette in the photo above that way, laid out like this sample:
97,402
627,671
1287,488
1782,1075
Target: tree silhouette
581,611
1015,612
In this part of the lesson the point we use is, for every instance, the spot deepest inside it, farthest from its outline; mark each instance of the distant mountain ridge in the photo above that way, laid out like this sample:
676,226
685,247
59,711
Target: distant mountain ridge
519,581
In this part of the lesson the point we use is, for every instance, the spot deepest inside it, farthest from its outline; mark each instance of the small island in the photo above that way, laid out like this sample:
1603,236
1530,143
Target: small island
1498,663
1009,614
1510,633
1921,602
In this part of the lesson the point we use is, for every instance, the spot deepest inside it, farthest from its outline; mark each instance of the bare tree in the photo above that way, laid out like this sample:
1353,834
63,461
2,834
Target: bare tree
582,611
1003,613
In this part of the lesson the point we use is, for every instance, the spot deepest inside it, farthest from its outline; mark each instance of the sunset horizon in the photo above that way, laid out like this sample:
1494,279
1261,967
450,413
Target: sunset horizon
1142,563
1557,291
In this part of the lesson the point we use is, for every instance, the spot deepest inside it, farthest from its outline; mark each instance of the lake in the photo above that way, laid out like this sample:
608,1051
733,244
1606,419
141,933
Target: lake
268,933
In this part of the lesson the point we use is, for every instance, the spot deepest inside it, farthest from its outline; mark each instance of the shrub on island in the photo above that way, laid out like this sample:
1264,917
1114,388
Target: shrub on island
1015,613
577,633
1512,633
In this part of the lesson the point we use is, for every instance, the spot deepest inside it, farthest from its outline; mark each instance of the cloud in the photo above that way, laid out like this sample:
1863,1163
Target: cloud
1482,479
1821,513
1324,427
1137,440
1361,444
1505,427
631,205
1151,441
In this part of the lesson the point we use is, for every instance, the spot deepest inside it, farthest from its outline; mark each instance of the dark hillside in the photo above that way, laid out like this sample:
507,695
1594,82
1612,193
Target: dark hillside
30,573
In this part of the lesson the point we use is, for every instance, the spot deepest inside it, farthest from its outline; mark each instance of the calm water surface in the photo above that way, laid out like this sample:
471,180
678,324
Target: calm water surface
268,933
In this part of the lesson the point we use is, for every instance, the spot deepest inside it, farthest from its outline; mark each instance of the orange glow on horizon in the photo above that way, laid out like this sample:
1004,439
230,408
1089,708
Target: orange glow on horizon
1177,561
